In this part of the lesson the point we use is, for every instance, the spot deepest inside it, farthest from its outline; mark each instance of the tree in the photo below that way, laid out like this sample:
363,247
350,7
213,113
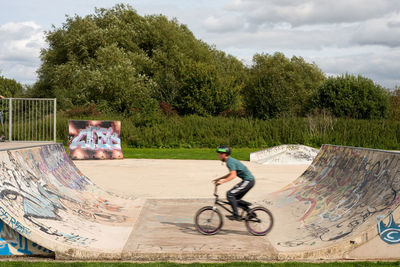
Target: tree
395,103
278,86
211,87
87,62
10,87
120,60
352,96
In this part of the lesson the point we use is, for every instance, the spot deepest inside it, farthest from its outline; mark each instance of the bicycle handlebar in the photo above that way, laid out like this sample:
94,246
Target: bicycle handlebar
216,190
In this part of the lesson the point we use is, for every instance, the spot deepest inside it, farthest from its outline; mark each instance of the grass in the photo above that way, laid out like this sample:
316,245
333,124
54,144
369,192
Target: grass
183,153
168,264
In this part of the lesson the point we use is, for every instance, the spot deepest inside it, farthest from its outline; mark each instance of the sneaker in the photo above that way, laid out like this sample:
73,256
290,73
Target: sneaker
234,217
252,215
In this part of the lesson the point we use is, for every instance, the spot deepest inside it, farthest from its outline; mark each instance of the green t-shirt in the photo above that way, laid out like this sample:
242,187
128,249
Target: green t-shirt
241,170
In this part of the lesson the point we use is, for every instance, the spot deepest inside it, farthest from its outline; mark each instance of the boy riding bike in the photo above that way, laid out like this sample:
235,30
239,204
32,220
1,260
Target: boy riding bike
236,169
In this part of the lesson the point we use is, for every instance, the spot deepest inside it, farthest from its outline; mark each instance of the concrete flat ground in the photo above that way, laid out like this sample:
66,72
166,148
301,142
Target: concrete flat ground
165,231
175,190
160,178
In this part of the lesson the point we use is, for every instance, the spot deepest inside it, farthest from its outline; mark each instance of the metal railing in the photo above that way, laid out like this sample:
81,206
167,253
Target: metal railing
28,119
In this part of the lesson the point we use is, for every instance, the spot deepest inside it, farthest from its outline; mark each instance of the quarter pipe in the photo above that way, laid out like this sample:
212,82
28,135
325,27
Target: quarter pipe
345,205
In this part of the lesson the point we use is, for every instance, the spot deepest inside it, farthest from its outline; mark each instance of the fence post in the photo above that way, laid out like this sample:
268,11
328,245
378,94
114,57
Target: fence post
55,120
10,120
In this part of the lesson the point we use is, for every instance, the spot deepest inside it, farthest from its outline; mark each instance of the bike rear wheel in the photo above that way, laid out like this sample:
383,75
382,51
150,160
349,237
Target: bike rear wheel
259,221
208,220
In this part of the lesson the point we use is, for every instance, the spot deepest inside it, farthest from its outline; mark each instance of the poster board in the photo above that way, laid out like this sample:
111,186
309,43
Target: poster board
94,139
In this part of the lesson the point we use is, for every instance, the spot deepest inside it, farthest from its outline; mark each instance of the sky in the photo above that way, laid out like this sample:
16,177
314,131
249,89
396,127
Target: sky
341,36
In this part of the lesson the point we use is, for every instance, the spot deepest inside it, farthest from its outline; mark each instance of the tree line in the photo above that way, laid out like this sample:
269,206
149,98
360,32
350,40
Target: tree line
116,61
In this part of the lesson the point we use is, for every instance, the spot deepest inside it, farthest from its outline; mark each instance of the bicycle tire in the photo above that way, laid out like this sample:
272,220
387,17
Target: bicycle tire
217,219
266,216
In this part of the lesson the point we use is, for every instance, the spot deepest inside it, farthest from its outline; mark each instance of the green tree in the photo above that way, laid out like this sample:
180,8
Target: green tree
120,60
211,87
87,62
279,86
10,87
352,96
395,103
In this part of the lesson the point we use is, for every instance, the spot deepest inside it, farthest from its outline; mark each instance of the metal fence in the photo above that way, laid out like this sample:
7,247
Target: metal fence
28,119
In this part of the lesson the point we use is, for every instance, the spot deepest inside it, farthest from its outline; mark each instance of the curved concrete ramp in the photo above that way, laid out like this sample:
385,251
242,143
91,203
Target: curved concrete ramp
285,155
345,205
335,206
47,200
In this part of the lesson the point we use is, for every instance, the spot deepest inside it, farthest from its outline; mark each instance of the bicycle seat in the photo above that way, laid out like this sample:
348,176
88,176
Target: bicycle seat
244,203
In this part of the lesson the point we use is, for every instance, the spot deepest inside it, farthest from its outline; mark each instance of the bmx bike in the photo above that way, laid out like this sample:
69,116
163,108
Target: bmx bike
209,220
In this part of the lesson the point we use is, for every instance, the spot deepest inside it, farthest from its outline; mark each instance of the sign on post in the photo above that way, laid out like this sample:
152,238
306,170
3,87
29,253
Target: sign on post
94,139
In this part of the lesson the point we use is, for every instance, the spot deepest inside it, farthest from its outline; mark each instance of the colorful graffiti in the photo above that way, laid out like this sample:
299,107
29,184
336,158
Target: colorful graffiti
389,233
16,225
13,243
42,190
340,192
95,140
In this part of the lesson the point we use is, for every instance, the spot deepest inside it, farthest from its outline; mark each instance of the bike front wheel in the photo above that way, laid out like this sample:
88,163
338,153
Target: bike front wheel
259,221
208,220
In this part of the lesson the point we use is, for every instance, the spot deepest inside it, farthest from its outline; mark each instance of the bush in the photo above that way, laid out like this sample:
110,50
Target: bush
278,86
353,97
208,132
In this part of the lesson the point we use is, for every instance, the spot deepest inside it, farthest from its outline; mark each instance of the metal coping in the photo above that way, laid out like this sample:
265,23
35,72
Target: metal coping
31,146
366,148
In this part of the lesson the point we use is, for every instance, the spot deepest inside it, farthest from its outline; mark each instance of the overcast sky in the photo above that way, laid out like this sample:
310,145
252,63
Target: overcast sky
353,36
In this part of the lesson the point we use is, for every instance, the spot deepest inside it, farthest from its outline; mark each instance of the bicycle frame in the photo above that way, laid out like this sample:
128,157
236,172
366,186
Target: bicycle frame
222,203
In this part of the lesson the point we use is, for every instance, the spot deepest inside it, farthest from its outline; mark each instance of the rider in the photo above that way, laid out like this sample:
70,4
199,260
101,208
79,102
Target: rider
236,169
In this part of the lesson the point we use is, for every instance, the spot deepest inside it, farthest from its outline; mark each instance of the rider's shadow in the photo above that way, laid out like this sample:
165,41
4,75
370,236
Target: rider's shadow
189,228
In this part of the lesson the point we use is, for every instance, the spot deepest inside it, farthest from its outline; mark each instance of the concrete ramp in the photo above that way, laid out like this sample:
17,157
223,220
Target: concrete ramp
47,200
345,205
285,155
337,204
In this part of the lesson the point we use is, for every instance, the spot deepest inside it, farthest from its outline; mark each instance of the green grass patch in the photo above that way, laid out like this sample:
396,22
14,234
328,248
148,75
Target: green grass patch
168,264
183,153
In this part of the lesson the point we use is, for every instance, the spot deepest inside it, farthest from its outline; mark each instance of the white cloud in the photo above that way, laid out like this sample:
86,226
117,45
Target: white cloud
226,23
380,65
358,37
306,12
381,31
20,45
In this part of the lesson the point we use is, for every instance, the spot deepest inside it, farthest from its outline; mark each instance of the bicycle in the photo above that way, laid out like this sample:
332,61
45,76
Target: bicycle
209,220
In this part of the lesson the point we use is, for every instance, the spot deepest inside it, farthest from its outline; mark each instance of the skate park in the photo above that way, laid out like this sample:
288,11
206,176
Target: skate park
113,116
337,208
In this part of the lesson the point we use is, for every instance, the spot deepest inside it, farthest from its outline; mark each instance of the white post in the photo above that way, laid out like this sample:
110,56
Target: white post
10,121
55,120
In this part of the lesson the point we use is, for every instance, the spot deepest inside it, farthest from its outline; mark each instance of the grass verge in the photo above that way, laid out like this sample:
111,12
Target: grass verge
183,153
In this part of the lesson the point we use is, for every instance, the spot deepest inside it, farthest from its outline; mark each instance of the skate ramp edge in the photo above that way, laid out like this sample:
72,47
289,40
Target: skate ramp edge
340,204
47,205
285,155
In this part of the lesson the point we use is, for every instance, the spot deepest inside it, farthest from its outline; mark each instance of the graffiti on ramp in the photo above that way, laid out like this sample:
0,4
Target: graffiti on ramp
389,233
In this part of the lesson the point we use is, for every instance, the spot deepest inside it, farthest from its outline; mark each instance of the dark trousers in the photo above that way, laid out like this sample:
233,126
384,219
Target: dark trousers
237,192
